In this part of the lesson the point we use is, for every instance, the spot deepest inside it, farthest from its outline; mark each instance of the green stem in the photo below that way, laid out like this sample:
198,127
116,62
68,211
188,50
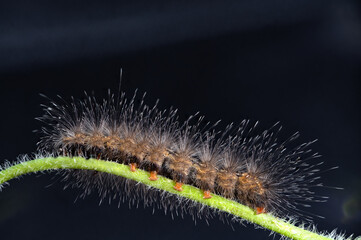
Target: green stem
265,220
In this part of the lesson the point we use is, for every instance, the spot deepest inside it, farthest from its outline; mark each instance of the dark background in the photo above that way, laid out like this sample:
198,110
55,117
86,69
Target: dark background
298,62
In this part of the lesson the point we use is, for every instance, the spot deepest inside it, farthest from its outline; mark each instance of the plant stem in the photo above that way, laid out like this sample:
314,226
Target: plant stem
265,220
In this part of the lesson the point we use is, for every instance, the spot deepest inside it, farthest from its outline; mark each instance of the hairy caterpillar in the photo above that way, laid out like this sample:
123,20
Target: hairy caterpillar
255,170
252,168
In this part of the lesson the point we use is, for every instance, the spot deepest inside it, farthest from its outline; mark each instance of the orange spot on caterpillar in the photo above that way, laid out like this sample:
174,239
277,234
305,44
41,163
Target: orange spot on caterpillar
178,186
260,210
153,176
133,167
207,194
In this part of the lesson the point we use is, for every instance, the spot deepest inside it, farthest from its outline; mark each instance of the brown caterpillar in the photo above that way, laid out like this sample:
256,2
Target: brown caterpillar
254,169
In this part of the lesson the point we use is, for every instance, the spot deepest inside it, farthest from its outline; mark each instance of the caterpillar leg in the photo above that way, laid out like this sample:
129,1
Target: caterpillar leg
207,194
80,153
178,186
133,167
65,153
153,176
260,210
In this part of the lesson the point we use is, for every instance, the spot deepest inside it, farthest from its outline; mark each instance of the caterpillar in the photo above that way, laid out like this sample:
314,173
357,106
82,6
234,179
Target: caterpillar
255,170
107,146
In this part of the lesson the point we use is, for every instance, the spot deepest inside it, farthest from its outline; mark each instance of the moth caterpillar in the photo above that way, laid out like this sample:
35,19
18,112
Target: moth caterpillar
238,163
256,170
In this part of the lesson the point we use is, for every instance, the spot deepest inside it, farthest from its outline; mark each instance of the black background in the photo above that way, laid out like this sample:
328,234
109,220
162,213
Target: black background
298,62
